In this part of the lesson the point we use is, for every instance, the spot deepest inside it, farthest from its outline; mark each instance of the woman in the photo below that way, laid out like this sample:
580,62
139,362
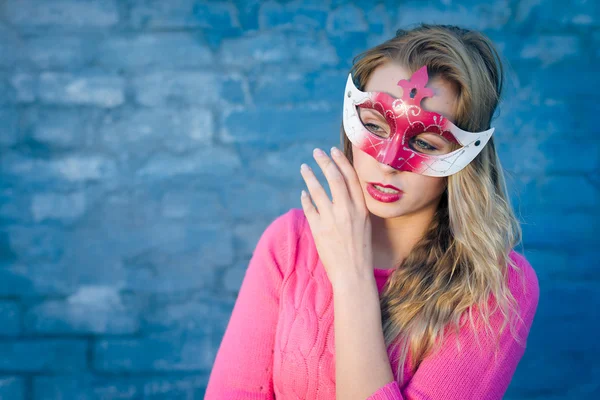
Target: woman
409,269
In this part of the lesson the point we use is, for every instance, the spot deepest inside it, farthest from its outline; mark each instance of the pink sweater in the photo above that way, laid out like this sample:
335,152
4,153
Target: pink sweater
279,343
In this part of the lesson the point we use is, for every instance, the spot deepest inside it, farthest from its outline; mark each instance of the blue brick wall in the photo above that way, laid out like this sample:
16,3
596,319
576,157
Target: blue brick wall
146,144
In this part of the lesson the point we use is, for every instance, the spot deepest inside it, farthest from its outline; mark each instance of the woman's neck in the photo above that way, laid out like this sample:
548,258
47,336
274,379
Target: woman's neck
394,238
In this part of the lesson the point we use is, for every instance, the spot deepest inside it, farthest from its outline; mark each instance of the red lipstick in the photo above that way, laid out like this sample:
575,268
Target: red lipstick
382,196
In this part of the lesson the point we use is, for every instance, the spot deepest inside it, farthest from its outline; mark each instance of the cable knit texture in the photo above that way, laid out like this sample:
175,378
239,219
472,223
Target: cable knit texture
279,342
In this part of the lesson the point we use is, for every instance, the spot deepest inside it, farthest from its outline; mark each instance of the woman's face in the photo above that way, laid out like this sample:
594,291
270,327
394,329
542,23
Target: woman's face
419,193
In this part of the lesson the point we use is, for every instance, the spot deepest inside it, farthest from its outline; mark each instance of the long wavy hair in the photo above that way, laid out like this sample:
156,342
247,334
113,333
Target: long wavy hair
464,256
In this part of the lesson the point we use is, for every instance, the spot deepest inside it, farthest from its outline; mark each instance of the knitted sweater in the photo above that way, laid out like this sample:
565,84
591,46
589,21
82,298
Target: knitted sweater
279,342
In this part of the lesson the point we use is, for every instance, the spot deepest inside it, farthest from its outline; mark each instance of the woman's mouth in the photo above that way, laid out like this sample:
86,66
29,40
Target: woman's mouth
384,193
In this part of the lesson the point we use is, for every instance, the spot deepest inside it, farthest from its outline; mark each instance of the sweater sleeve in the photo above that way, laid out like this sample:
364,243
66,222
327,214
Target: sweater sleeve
243,364
474,370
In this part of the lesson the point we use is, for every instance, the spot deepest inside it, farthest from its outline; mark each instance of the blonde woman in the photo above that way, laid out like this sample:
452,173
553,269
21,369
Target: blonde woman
405,284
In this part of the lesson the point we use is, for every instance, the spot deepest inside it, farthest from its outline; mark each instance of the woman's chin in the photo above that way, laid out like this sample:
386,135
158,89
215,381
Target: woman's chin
384,210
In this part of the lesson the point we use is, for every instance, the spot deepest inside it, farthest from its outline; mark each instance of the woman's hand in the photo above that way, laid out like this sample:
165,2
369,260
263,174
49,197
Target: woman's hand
341,228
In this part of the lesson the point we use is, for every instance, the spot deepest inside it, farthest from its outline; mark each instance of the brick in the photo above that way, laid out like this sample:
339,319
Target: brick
348,46
157,50
11,50
187,259
285,88
268,127
313,50
35,242
8,96
58,206
89,89
202,315
192,387
184,204
290,16
571,303
90,310
379,19
580,84
59,51
59,128
12,387
247,234
186,88
550,264
525,158
549,193
80,168
561,265
543,119
559,155
25,86
43,355
259,48
10,319
85,387
215,161
9,131
328,86
575,229
588,262
234,276
14,206
537,15
346,18
252,200
34,279
282,88
183,14
152,354
146,131
67,169
282,167
61,14
549,49
477,15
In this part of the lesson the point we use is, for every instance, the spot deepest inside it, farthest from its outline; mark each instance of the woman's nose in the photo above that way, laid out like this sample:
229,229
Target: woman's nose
388,169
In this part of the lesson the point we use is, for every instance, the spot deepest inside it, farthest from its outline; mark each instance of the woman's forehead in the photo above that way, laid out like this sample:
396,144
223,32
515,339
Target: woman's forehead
385,79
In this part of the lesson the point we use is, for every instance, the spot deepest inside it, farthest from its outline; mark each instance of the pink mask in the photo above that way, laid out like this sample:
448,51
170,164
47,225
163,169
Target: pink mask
405,121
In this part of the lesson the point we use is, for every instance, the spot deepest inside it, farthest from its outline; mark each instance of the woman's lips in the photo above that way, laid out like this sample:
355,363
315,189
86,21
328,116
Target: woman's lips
381,196
386,186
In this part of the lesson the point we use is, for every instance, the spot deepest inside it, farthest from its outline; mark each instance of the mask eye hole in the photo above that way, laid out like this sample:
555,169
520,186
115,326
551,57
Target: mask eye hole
374,122
430,143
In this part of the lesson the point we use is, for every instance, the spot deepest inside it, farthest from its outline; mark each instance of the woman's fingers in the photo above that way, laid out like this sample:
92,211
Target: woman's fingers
317,193
309,209
347,170
337,183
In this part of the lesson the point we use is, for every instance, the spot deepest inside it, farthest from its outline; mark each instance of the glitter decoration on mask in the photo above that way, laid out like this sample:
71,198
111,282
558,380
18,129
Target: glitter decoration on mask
406,121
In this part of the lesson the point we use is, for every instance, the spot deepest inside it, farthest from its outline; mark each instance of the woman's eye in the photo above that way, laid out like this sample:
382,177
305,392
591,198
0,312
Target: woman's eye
423,145
376,129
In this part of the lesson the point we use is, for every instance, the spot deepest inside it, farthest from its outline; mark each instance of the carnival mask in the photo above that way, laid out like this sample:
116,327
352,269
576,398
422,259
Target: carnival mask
397,142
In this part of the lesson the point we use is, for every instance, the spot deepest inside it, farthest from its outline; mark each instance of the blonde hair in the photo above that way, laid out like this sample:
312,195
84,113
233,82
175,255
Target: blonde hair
464,256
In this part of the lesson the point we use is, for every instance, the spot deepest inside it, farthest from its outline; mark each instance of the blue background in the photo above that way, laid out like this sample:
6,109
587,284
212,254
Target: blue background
145,145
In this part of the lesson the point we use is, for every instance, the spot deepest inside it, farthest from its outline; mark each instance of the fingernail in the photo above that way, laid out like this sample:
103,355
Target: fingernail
319,152
335,151
305,167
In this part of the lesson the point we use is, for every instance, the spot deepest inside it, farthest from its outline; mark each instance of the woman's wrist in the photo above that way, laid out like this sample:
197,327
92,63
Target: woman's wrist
352,283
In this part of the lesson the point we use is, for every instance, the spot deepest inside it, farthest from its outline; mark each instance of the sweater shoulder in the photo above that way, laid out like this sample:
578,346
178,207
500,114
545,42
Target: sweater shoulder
524,284
289,224
282,236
